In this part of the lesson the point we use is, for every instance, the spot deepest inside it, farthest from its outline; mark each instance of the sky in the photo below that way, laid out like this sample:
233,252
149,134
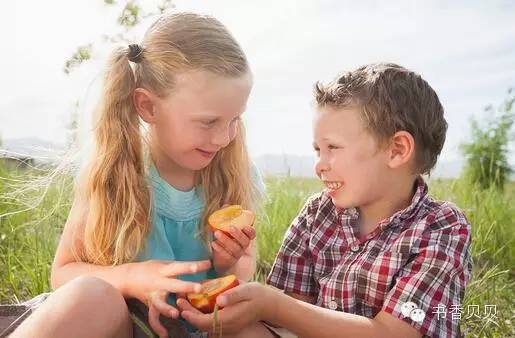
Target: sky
464,49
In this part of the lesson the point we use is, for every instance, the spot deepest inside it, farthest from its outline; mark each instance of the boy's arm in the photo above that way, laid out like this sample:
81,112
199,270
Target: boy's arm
435,277
307,299
307,320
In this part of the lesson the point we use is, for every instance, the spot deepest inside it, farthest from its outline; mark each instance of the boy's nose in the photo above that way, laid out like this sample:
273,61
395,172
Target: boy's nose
321,166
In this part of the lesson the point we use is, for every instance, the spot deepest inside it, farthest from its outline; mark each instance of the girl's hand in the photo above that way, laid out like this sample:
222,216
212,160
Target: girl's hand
227,251
242,306
158,305
145,278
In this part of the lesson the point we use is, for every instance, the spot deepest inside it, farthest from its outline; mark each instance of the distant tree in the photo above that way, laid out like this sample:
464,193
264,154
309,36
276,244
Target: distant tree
131,14
487,153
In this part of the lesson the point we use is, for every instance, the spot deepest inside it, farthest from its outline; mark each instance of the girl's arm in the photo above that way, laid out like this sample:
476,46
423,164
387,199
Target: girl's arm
65,266
246,266
133,280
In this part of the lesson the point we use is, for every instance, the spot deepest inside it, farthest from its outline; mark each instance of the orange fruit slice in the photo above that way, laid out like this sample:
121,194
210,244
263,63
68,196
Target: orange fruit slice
205,300
233,215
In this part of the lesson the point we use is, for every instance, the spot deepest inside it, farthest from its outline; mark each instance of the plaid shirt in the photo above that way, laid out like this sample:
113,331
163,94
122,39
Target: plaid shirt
419,257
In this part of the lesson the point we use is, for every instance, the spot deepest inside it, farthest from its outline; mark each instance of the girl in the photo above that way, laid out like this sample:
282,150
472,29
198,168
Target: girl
137,228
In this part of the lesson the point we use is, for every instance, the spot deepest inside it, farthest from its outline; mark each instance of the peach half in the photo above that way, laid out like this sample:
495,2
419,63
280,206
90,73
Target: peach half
205,300
233,215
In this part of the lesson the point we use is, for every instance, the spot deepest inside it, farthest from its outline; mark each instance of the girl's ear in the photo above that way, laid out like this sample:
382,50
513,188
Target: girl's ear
144,101
402,149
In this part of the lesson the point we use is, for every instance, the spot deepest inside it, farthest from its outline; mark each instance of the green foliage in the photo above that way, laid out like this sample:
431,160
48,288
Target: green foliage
83,53
28,241
131,15
487,153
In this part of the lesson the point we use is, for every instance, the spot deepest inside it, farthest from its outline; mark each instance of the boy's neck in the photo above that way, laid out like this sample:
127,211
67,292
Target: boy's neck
395,199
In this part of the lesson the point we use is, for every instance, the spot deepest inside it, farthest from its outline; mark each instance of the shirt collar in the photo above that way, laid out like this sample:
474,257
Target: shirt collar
419,198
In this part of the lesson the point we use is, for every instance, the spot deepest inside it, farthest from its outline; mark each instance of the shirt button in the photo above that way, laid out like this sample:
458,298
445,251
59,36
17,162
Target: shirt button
333,305
354,248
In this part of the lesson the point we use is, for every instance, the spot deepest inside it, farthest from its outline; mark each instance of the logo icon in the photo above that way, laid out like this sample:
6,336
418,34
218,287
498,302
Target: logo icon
411,310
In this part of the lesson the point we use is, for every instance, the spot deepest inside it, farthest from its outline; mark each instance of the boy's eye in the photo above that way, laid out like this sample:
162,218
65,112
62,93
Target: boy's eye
332,146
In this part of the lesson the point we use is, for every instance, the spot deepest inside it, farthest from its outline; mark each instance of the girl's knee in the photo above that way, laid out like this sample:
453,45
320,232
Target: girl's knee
92,289
86,294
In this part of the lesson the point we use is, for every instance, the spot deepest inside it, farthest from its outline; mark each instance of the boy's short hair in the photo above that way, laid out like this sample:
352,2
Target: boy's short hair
391,98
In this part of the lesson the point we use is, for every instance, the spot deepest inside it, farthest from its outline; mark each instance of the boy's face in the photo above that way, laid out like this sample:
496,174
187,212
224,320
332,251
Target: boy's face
350,163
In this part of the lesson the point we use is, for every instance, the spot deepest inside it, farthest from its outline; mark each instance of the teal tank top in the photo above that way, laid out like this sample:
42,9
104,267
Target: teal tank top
174,234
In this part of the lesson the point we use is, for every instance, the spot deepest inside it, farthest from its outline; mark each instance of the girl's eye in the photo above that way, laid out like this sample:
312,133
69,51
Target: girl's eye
332,146
209,123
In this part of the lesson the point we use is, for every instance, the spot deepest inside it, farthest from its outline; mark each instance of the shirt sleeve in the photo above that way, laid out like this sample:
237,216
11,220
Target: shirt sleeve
293,267
434,281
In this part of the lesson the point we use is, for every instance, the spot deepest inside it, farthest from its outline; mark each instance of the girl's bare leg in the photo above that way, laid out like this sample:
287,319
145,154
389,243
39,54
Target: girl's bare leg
256,330
84,307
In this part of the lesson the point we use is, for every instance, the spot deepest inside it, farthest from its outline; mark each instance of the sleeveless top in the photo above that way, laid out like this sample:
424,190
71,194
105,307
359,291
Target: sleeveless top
174,234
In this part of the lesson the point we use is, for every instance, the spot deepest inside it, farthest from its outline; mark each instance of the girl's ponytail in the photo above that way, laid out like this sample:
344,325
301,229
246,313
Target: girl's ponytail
116,186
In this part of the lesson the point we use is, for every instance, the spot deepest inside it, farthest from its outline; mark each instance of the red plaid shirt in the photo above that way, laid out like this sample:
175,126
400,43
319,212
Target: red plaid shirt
420,256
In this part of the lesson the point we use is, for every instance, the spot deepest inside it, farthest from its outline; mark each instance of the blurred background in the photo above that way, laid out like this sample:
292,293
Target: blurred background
464,49
52,55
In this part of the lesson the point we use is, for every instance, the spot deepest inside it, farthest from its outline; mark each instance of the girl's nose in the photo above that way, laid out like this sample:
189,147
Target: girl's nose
224,136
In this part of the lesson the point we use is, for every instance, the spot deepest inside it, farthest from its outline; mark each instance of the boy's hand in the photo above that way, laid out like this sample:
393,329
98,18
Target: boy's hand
243,305
227,251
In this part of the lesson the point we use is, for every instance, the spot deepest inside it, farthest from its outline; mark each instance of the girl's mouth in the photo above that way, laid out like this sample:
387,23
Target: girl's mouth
207,154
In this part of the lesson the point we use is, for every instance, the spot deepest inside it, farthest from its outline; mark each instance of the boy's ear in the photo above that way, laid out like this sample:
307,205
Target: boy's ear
144,101
402,149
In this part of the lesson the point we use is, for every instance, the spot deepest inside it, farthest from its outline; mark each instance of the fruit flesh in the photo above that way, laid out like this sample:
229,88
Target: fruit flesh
233,215
205,300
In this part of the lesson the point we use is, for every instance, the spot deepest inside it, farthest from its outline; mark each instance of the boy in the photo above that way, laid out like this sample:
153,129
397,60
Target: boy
372,255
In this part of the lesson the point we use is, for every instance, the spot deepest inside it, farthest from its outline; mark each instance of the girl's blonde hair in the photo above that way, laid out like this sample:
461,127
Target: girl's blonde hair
115,182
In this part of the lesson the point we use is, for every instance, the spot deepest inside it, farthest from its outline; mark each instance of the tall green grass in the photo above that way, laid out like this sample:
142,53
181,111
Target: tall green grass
28,241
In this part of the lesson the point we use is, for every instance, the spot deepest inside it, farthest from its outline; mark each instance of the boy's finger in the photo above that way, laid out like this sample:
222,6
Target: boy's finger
199,319
180,268
185,305
233,295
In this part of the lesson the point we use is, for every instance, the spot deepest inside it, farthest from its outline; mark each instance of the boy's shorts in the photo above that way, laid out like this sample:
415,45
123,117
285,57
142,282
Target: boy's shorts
279,332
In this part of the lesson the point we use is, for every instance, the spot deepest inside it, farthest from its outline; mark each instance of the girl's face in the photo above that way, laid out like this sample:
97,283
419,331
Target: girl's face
199,117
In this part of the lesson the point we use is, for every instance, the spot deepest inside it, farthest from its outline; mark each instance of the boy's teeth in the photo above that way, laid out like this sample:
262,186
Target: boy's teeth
333,185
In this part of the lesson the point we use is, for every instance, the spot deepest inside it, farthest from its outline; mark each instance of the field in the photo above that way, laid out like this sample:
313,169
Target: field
28,241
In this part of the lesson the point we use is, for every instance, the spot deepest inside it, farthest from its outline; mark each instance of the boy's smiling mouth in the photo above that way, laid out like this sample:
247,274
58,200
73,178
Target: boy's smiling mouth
333,185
